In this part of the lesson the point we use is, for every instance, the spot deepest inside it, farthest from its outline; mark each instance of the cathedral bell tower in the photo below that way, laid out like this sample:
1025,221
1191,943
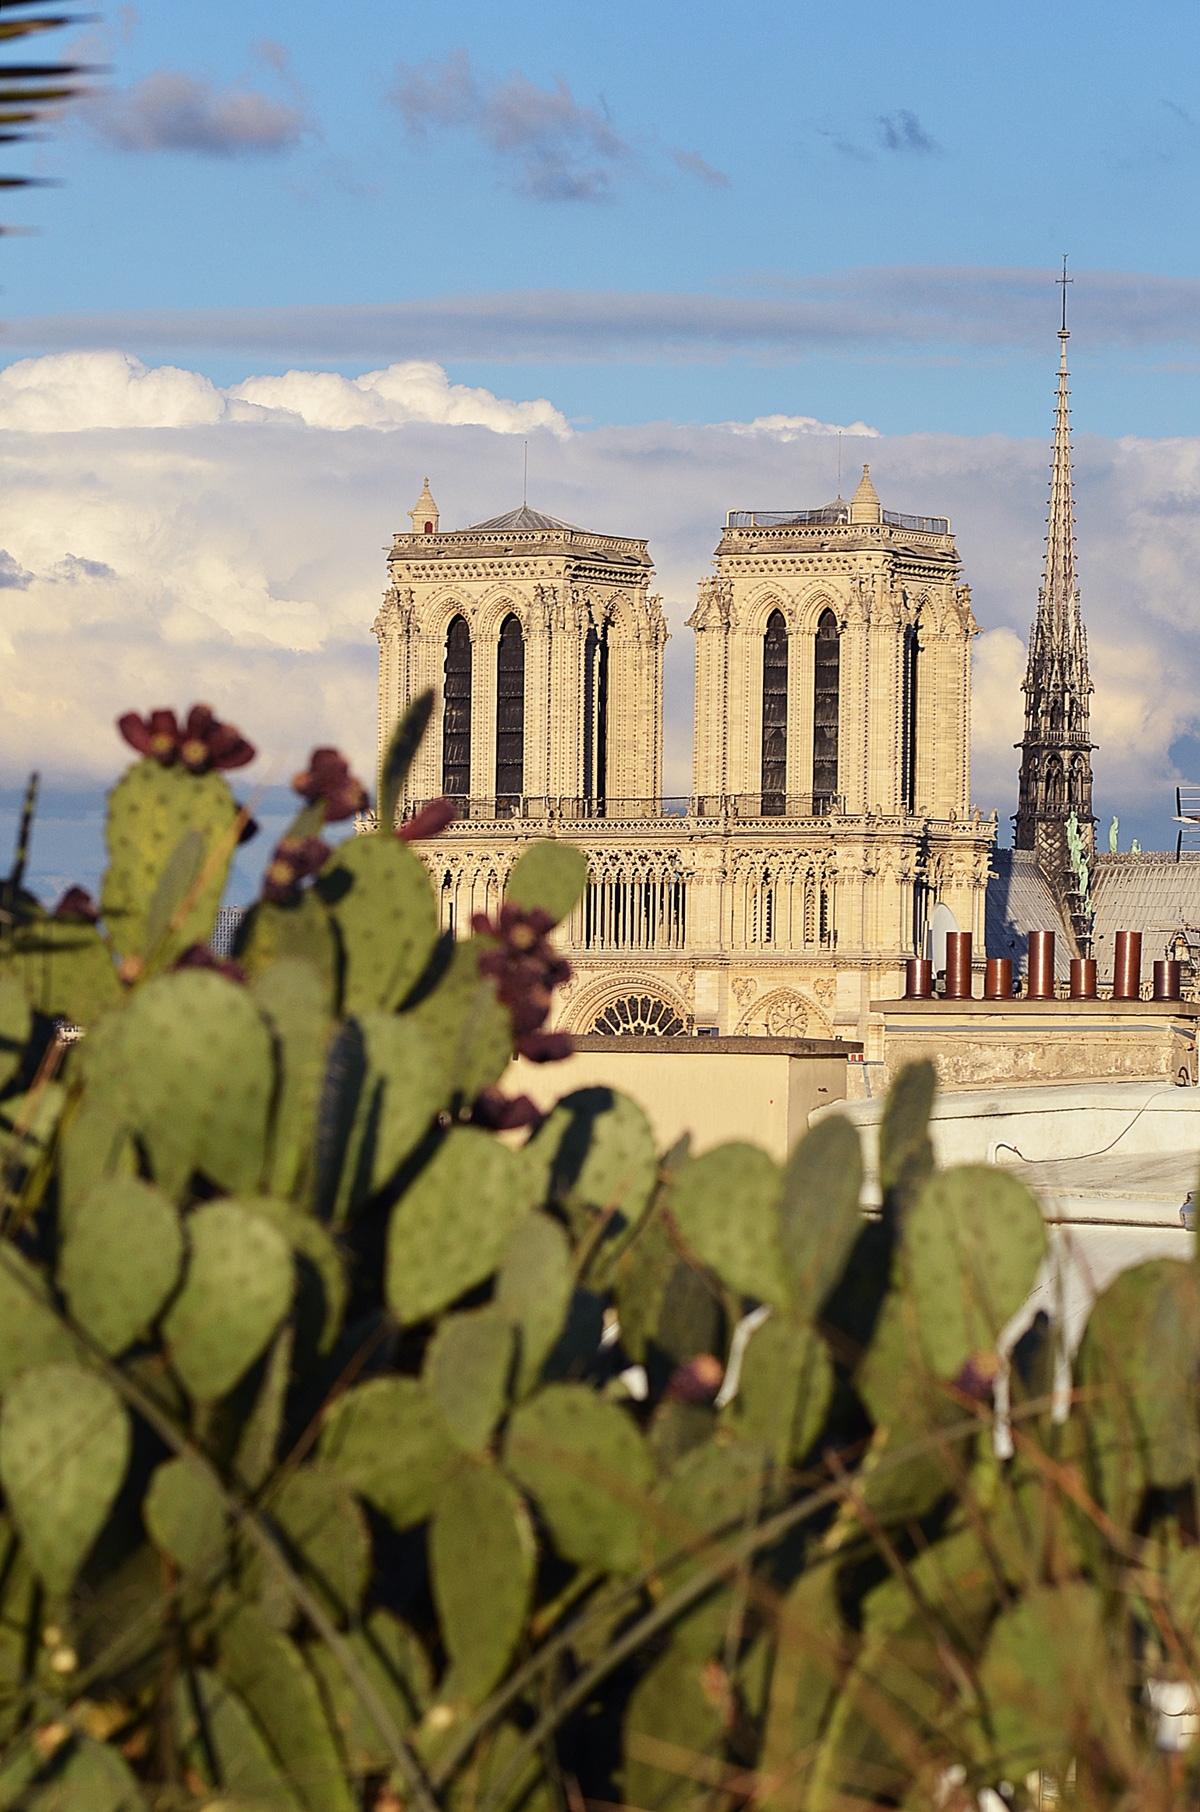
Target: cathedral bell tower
542,644
1056,750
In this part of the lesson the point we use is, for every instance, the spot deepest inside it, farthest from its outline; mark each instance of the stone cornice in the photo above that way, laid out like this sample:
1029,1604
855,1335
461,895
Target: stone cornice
457,544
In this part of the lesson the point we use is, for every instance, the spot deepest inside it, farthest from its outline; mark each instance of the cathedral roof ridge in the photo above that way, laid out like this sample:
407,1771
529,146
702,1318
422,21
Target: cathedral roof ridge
523,519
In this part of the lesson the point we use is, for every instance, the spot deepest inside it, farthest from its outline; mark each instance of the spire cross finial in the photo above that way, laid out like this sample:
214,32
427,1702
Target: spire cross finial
1063,281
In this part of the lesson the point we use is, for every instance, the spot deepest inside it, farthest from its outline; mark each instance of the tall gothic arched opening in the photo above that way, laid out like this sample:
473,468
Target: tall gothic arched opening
456,711
595,716
774,715
510,714
826,702
908,721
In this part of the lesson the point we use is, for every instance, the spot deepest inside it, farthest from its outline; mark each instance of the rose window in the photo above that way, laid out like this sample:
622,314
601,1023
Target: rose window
641,1014
787,1018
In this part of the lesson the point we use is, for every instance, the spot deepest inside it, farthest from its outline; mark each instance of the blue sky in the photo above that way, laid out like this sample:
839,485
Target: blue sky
675,246
692,153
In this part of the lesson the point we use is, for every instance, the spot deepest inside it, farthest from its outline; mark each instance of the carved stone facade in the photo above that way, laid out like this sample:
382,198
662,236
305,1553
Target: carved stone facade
830,808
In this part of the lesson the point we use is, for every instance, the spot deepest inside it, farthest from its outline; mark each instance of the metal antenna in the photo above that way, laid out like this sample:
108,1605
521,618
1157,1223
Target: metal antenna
1063,281
525,479
839,489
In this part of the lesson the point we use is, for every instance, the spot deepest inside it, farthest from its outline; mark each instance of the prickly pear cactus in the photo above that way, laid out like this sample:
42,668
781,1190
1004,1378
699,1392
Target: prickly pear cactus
369,1440
171,838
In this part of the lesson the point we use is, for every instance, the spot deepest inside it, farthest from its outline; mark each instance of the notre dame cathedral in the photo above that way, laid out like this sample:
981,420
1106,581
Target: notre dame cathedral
830,806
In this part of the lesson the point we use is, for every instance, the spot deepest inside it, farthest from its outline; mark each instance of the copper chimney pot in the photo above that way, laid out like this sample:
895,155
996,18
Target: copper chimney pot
918,978
1166,980
997,978
958,965
1127,966
1083,978
1041,965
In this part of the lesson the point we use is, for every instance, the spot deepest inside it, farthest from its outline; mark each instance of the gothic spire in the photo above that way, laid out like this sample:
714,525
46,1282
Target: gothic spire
1056,771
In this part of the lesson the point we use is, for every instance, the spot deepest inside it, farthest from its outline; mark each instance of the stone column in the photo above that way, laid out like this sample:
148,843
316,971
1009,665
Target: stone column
801,706
710,621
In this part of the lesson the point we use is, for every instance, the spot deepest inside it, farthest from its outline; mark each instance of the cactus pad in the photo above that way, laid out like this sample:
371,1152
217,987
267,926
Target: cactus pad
66,969
120,1259
550,875
726,1206
30,1332
970,1251
586,1466
407,1083
600,1154
230,1745
185,1517
467,1367
396,1665
784,1390
482,1556
471,1027
268,1674
819,1215
388,1442
326,1536
191,1070
294,998
236,1291
150,810
449,1230
534,1291
382,902
64,1447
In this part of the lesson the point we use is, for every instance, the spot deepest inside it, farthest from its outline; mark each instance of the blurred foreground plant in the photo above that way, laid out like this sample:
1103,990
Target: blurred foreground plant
354,1456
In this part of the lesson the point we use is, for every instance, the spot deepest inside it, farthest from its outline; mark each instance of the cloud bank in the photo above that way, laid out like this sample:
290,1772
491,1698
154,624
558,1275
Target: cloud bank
186,543
907,308
70,392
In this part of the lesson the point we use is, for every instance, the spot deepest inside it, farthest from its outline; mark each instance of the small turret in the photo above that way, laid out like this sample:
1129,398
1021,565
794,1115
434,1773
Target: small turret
424,513
864,505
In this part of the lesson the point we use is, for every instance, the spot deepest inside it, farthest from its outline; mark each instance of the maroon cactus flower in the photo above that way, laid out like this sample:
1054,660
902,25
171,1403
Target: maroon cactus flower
77,903
328,777
200,956
201,743
526,969
977,1379
697,1381
503,1113
430,821
295,858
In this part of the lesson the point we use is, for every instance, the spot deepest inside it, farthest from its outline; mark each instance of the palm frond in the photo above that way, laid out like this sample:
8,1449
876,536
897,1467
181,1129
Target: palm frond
29,92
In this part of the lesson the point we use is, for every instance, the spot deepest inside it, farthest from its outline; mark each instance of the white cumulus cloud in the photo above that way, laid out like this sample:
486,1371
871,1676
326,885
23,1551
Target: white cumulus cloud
416,391
791,427
68,392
